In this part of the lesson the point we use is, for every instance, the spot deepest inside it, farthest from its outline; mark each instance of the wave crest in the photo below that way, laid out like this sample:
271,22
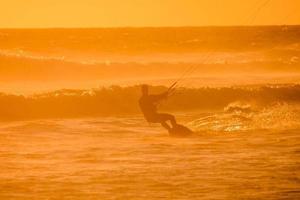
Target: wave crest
116,100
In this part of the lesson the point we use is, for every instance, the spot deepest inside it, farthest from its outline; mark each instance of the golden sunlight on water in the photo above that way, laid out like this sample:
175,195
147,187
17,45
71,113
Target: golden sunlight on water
71,125
118,158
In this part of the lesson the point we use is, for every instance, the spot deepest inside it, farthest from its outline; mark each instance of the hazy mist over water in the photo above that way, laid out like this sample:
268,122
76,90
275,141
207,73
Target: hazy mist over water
89,58
71,128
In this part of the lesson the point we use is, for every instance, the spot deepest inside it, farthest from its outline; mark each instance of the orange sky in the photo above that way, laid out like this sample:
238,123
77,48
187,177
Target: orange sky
118,13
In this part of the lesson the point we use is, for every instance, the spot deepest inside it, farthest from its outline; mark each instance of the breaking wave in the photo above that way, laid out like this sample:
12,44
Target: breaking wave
85,54
279,116
115,100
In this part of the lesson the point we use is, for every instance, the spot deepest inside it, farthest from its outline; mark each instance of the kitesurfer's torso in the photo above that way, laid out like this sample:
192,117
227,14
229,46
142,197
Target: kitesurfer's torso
148,105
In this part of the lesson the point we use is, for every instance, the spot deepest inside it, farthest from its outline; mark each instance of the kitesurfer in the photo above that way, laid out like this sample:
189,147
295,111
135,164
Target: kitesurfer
148,104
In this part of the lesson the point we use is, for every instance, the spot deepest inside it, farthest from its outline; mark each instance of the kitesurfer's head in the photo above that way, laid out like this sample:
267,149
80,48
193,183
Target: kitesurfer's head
145,89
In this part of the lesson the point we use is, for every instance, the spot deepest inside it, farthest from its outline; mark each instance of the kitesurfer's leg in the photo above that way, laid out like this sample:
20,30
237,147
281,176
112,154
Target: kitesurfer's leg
166,126
163,117
172,120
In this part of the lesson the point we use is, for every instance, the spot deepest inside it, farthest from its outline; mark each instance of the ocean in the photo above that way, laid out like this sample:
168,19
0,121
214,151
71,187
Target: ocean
71,128
117,158
53,59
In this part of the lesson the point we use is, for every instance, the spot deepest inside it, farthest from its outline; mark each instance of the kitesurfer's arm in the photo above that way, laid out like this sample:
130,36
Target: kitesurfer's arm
159,97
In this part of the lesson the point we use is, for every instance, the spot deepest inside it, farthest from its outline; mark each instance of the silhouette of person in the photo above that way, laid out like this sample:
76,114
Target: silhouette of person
148,104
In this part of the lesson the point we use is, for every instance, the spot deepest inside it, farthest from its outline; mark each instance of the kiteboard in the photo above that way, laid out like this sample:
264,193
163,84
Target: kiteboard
180,131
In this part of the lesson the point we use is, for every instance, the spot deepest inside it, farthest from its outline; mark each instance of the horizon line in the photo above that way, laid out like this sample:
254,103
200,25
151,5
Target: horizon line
133,27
